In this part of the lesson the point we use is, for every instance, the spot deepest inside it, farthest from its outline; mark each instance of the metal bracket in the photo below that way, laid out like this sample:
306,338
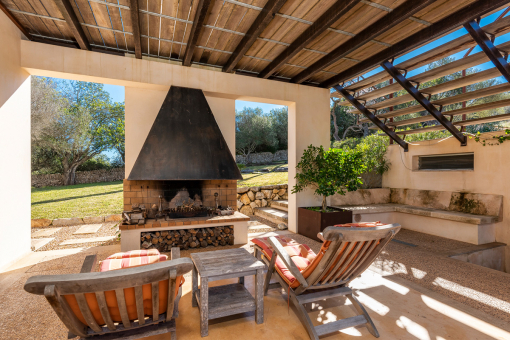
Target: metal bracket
424,102
354,102
488,48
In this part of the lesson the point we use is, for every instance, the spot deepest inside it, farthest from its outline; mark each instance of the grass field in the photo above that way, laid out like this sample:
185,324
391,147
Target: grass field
99,199
95,199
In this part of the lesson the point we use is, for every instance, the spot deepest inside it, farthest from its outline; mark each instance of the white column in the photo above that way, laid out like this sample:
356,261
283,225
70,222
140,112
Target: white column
309,123
14,147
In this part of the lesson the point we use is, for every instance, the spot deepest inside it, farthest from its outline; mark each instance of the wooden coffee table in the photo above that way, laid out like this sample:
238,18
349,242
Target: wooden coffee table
220,301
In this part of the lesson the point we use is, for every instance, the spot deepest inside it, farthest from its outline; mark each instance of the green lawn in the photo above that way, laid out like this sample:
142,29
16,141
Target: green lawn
95,199
99,199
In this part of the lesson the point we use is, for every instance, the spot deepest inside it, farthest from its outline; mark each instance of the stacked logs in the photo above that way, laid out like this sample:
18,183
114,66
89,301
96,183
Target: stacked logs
187,238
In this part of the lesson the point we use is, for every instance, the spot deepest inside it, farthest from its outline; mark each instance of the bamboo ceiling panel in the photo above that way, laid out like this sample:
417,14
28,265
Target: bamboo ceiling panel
168,29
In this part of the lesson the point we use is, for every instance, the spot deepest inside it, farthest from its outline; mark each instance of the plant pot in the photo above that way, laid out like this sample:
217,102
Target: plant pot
310,222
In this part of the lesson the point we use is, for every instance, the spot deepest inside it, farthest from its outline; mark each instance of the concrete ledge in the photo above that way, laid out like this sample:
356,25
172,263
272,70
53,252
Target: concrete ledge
409,209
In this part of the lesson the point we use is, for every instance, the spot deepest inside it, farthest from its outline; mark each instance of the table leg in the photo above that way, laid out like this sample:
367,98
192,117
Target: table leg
259,296
204,307
194,289
241,280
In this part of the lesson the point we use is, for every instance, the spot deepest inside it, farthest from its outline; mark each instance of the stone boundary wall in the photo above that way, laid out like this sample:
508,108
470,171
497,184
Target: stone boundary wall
263,157
256,197
82,177
60,222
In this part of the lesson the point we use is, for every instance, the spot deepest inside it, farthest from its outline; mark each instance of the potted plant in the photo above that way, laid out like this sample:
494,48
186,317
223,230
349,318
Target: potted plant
335,171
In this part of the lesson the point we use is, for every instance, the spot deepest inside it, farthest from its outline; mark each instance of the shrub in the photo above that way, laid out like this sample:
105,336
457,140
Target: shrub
329,172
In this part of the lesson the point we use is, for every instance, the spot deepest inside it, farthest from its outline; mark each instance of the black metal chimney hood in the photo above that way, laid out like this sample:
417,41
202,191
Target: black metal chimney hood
185,142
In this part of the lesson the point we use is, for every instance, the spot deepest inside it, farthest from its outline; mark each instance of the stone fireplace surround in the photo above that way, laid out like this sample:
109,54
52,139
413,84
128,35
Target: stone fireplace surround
148,192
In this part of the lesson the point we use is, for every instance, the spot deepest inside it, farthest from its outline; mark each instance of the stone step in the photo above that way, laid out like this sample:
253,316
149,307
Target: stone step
272,214
38,243
280,205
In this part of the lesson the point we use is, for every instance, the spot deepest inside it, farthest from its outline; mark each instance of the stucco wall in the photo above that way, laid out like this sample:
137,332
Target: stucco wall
308,106
14,146
491,164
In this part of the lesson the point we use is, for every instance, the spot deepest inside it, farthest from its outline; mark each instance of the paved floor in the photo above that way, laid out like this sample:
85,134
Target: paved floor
401,309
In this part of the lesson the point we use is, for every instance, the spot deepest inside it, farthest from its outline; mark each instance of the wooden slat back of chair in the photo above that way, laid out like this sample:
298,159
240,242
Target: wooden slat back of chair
350,253
56,287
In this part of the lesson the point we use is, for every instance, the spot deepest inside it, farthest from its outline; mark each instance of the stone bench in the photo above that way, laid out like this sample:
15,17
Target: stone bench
467,217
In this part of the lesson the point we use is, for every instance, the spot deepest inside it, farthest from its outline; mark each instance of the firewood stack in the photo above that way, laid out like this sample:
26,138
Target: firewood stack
188,238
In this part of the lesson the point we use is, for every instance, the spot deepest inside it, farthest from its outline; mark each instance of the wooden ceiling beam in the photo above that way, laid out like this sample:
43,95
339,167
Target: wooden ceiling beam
470,12
488,48
135,23
332,14
196,29
497,28
463,111
395,17
74,25
424,102
485,92
259,25
373,118
460,123
15,21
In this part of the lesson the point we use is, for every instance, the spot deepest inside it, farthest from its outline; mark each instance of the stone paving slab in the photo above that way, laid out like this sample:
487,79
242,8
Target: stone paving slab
40,242
87,240
45,232
88,229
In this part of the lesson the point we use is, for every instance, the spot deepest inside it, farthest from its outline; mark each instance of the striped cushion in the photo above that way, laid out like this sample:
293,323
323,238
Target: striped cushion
129,262
135,253
301,255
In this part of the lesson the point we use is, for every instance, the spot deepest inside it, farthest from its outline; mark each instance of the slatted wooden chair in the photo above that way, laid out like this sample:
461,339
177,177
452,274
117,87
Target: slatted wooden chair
129,303
345,254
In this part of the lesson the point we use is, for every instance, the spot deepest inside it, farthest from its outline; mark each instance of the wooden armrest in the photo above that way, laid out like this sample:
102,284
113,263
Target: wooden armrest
175,253
89,264
294,270
320,236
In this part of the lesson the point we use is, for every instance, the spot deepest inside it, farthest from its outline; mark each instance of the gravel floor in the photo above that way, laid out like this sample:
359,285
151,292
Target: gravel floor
66,233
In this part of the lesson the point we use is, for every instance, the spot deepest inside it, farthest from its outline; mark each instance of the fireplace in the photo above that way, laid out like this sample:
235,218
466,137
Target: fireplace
150,195
184,179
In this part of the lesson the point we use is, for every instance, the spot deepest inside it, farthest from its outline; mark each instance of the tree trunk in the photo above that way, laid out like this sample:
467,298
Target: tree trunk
335,125
324,203
70,176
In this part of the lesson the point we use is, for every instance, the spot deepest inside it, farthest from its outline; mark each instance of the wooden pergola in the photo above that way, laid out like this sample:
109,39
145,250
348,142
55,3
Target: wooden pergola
323,43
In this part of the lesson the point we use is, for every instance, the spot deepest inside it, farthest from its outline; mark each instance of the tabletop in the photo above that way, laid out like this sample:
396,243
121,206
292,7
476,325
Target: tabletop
224,262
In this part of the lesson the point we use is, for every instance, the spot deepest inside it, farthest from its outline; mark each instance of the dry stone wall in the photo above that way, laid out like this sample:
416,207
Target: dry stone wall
258,197
82,177
263,157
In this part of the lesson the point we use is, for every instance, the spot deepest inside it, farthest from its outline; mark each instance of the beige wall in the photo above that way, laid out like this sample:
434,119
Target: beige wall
308,106
490,175
14,146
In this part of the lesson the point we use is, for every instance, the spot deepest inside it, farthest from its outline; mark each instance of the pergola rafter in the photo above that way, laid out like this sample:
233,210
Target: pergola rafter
70,17
401,13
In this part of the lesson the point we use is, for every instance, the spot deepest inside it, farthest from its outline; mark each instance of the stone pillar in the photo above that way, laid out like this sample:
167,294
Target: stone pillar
14,146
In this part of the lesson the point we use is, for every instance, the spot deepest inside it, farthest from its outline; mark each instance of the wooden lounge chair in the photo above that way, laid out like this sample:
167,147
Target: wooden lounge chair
115,304
345,254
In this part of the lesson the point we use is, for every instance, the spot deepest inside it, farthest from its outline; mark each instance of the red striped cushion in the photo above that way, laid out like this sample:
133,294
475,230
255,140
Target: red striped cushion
135,253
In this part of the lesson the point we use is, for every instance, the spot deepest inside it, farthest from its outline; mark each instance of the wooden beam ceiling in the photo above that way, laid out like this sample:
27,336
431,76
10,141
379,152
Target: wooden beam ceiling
15,21
74,25
399,14
135,23
196,29
332,14
470,12
259,25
